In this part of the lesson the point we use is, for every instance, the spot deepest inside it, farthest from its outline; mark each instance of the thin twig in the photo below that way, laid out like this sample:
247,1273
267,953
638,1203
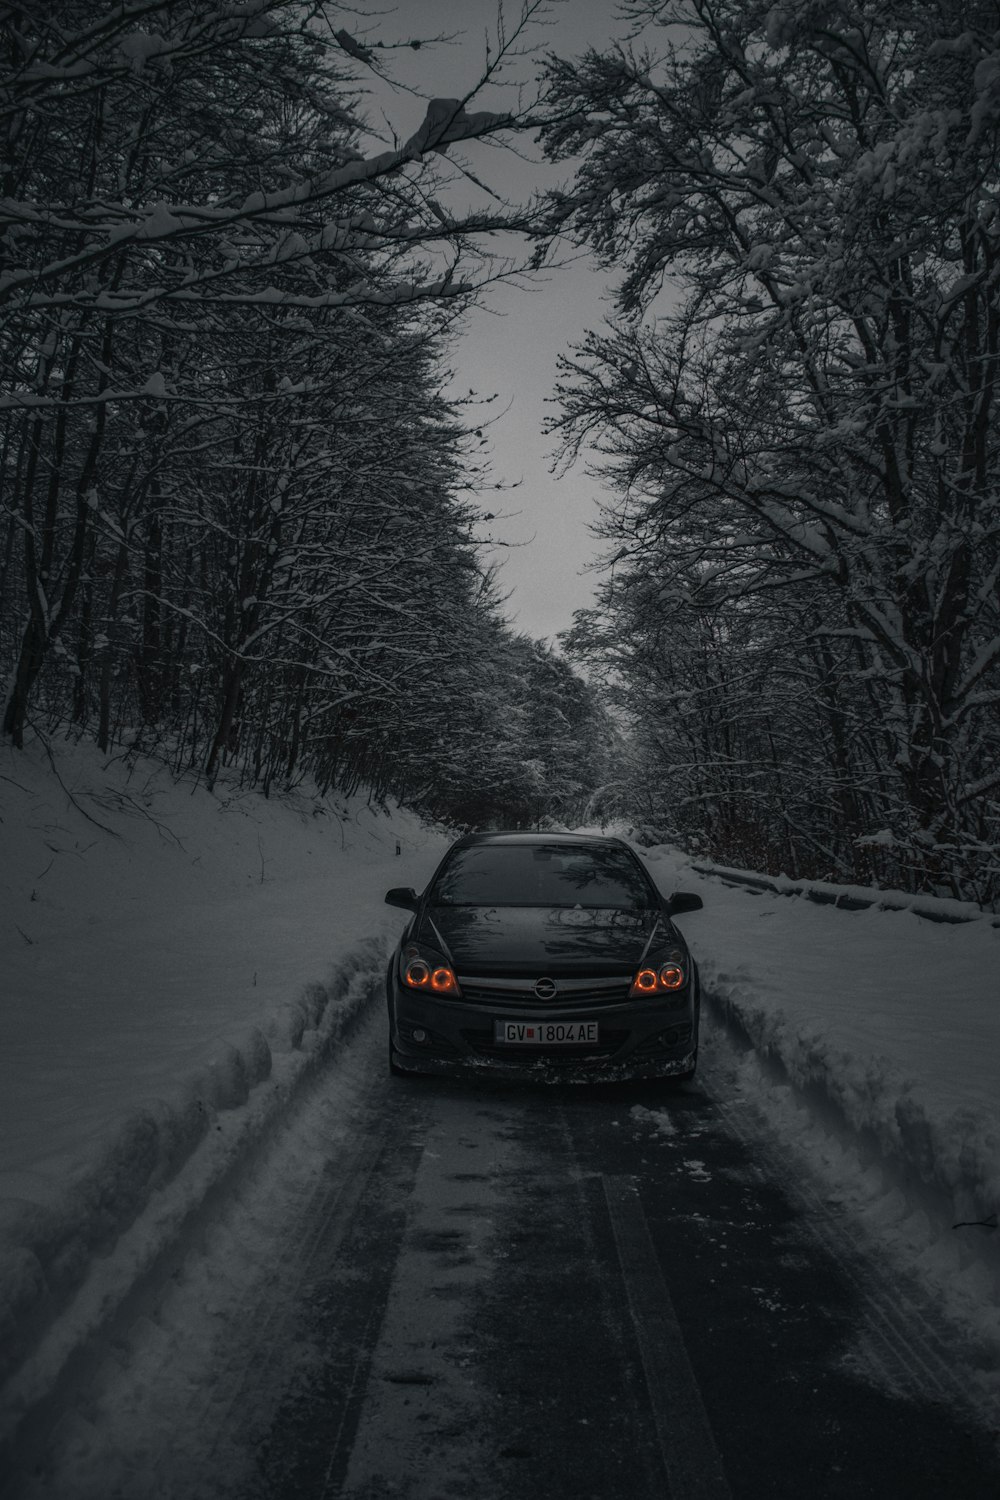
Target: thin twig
15,783
126,803
82,810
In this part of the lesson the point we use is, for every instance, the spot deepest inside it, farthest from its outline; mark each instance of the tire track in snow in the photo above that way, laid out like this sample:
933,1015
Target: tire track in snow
904,1349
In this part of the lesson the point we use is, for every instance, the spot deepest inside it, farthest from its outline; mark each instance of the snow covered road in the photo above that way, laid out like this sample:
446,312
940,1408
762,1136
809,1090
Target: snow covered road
237,1260
427,1288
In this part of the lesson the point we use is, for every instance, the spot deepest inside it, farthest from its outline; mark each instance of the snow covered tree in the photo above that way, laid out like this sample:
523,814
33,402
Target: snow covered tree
173,174
238,513
796,403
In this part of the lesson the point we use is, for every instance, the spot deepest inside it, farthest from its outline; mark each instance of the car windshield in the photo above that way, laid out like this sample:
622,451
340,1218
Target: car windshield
542,875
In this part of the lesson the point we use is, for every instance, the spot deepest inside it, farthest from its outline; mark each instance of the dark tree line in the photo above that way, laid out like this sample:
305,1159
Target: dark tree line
795,411
237,511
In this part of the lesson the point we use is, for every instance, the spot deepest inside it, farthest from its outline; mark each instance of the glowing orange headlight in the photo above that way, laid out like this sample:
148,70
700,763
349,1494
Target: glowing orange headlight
419,975
669,976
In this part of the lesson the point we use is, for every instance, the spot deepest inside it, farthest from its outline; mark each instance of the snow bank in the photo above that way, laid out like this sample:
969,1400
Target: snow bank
46,1253
854,897
176,963
886,1026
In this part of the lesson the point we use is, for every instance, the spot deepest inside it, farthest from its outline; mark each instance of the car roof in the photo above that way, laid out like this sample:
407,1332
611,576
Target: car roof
520,836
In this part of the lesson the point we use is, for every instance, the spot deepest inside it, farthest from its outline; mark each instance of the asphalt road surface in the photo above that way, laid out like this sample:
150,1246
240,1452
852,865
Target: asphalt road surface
439,1290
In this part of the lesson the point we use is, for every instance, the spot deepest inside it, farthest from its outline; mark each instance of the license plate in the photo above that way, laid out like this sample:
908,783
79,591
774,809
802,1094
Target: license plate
544,1033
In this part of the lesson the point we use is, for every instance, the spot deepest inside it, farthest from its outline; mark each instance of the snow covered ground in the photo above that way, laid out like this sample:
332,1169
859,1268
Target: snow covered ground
870,1041
176,962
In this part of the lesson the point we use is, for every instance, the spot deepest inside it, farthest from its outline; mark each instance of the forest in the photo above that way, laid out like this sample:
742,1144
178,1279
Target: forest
794,412
241,516
239,512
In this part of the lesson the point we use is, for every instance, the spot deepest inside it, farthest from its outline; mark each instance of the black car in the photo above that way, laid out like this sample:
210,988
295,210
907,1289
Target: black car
543,954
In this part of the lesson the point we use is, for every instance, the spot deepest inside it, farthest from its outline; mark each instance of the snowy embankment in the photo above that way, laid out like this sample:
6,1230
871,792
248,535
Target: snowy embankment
176,963
874,1046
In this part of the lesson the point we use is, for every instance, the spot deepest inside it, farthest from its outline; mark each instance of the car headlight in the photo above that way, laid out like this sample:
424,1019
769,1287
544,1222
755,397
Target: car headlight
665,977
422,969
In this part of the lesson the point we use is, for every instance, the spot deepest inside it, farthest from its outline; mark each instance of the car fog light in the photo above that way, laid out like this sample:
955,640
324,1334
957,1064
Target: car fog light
419,1035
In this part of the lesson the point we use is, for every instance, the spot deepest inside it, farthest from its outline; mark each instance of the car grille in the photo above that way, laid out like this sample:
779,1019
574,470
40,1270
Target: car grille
568,992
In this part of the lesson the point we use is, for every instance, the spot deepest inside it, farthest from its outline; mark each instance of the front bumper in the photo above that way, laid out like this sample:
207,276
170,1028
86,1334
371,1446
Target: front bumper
641,1038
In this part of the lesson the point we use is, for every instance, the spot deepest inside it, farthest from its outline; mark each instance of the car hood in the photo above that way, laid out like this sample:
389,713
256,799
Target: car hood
528,940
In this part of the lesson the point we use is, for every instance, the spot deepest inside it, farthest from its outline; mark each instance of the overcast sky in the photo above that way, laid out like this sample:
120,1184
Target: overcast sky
512,343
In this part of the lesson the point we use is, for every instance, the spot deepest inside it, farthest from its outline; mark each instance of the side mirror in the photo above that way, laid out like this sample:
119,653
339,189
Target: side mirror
683,901
402,895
